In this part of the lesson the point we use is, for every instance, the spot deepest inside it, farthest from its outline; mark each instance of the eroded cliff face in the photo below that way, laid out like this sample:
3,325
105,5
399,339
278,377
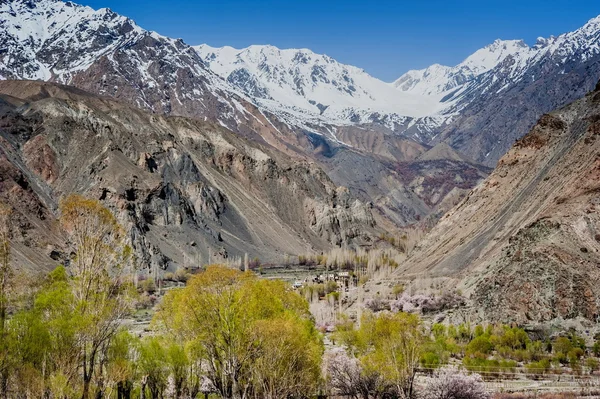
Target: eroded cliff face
525,243
188,191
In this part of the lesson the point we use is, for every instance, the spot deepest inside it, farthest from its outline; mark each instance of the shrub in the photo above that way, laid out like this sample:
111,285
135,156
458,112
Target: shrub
398,290
169,276
430,360
148,286
596,349
426,303
438,330
538,368
592,364
562,345
181,275
330,287
480,344
254,264
490,367
479,331
452,383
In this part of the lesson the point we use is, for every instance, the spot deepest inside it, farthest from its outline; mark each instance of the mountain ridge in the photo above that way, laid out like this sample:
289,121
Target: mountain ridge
370,152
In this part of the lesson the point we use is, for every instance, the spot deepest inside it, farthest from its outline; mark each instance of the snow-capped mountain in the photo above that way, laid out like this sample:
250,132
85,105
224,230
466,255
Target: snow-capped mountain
497,93
301,87
438,79
105,53
478,106
300,82
519,57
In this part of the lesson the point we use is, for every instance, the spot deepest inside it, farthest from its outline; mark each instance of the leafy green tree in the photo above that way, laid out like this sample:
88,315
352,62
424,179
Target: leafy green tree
178,366
121,365
256,336
438,330
153,368
480,345
390,345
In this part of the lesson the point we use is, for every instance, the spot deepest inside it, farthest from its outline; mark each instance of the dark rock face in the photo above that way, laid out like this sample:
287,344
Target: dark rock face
171,181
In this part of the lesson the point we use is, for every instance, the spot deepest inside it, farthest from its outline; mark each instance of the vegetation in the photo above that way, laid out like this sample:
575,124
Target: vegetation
361,262
59,341
388,347
256,336
452,383
226,332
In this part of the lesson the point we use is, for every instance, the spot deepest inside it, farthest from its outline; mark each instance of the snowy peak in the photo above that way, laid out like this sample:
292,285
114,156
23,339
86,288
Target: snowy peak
303,83
35,35
493,54
437,79
106,53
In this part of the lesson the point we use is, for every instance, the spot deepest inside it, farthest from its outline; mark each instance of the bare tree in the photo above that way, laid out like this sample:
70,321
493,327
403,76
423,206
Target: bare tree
100,296
346,377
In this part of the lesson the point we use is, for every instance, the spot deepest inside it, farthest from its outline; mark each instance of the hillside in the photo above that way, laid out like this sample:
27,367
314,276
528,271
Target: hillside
525,243
188,191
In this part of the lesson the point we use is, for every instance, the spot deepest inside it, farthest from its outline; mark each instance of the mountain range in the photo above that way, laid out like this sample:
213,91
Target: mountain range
110,55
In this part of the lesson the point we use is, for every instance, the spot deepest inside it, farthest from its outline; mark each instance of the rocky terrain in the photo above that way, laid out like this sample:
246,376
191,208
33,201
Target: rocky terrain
525,243
188,191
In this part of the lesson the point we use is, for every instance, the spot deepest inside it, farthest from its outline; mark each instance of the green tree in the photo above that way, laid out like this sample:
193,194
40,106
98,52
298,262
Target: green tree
152,367
121,365
480,345
390,345
231,320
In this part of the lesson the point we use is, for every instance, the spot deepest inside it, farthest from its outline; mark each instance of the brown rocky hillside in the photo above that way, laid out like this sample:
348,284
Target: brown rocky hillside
524,244
188,191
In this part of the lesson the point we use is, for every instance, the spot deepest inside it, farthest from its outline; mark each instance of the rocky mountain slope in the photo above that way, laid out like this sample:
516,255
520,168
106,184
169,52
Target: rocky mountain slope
188,191
365,134
525,243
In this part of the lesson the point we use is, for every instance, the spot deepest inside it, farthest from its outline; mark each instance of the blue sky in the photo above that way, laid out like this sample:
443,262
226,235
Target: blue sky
384,37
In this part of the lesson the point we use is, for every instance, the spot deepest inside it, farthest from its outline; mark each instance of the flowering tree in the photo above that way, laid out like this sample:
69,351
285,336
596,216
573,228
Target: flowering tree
346,376
451,383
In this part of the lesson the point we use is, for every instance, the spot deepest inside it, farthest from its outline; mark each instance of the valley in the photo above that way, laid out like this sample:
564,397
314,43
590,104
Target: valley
179,220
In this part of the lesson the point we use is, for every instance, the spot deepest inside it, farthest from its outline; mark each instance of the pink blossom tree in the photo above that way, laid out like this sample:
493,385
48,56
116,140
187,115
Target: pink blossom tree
451,383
